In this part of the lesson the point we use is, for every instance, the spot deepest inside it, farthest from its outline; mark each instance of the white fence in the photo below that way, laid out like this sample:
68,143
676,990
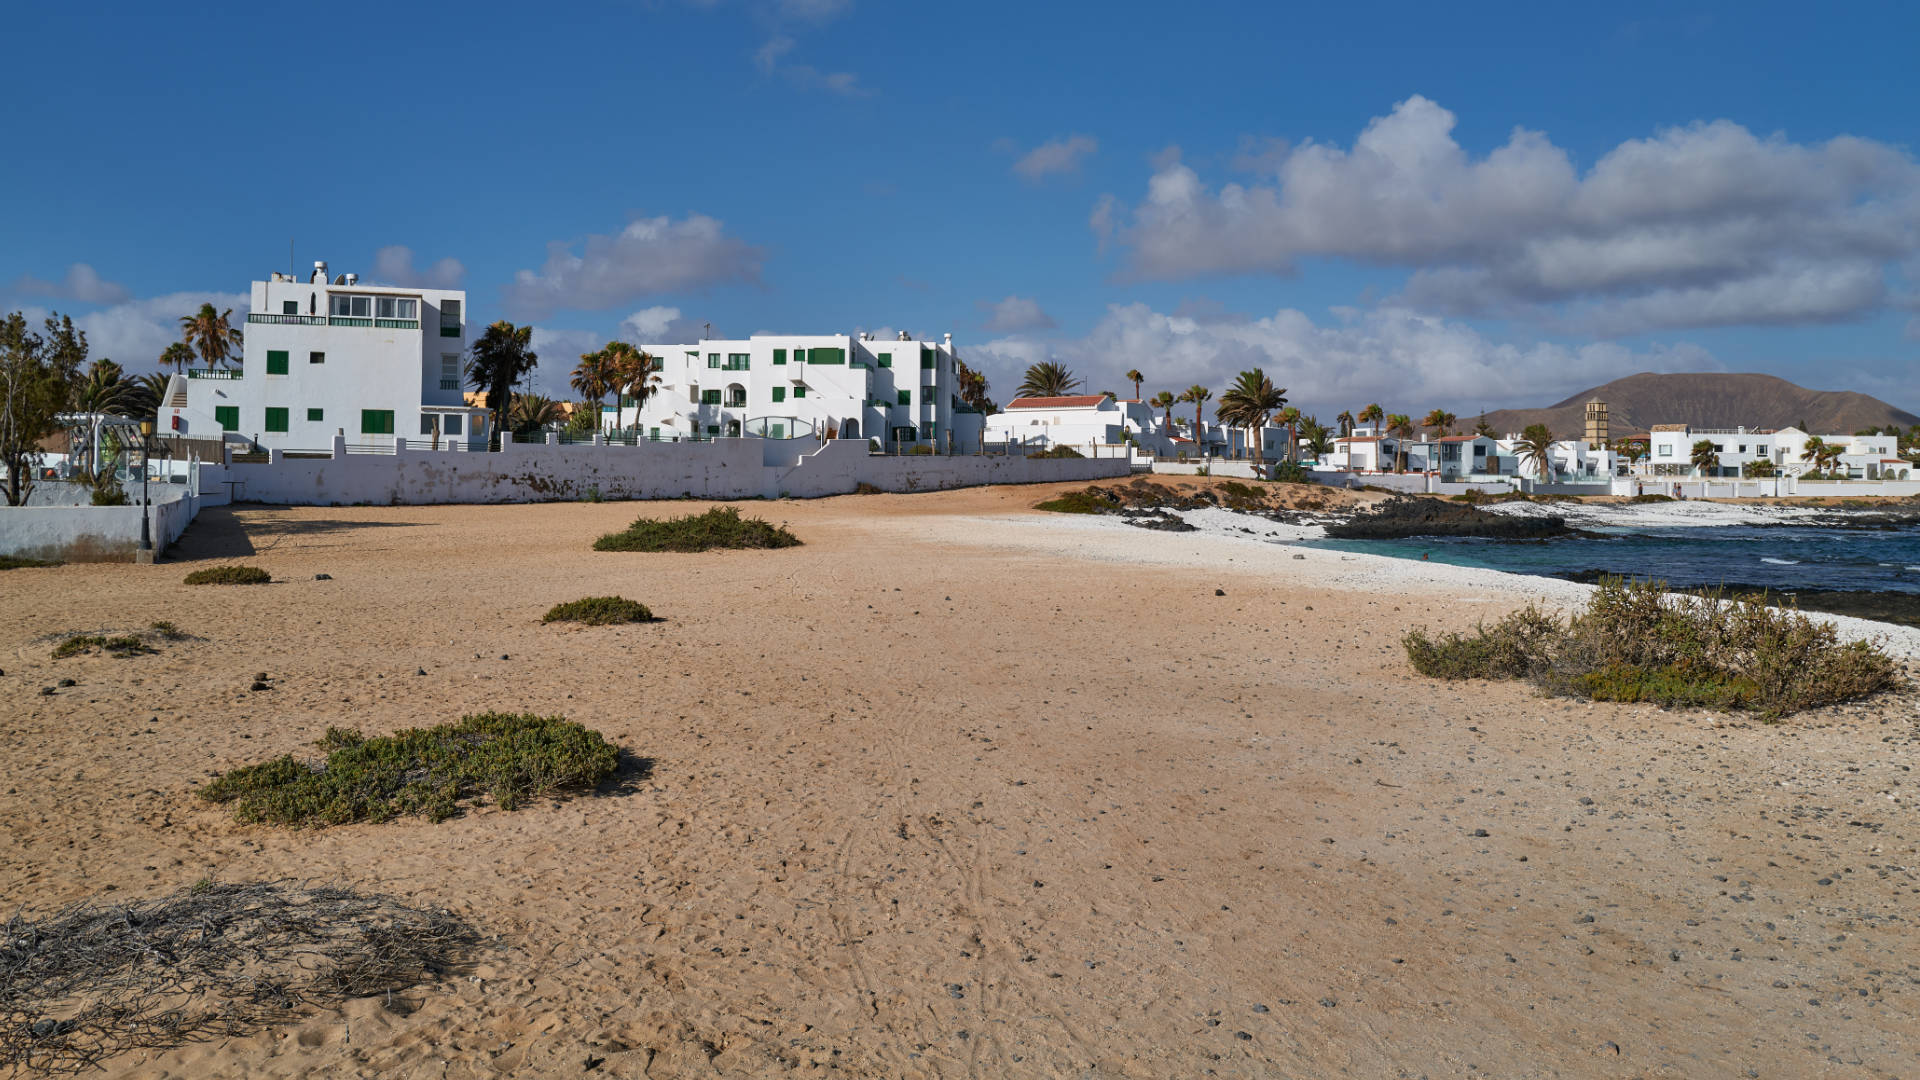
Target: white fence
96,533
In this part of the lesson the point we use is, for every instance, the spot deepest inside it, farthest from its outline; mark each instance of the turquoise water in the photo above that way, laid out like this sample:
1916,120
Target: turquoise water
1784,557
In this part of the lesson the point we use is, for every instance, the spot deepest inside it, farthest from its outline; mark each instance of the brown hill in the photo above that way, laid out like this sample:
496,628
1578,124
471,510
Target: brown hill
1638,402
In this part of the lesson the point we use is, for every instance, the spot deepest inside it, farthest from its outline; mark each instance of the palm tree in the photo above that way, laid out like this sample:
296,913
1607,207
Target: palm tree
1291,417
973,388
178,355
1317,436
208,332
105,389
632,373
590,375
1441,421
1813,450
1165,400
1048,379
1536,445
500,358
1248,403
1196,395
1705,457
1372,414
1400,426
153,390
1345,420
1631,449
1133,376
533,412
1830,458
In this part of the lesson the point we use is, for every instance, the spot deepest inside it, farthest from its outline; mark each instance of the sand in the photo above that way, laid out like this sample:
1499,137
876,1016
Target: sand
957,789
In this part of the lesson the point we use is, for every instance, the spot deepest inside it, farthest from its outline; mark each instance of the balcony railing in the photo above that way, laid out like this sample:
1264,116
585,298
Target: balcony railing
347,320
397,324
449,384
288,320
211,373
449,327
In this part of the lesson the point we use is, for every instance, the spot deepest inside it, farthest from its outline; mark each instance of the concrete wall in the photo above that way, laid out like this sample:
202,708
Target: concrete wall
722,469
94,533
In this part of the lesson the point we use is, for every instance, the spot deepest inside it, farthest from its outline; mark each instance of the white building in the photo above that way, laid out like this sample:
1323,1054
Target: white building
1863,457
903,393
1091,423
321,358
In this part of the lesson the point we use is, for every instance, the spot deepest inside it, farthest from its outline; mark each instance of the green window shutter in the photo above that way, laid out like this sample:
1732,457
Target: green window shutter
826,356
779,356
799,391
906,397
276,361
276,419
229,417
713,429
926,359
713,359
886,359
779,393
316,415
709,397
376,421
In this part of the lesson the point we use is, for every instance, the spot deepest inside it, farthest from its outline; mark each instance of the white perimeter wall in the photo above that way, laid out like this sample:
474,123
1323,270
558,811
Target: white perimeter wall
723,469
94,533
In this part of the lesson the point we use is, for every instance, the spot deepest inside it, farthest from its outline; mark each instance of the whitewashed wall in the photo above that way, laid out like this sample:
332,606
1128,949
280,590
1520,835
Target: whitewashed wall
94,533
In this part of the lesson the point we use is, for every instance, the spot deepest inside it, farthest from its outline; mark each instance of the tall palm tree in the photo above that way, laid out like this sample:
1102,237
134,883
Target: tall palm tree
1705,457
1248,403
1830,455
1813,451
1536,446
1345,420
501,357
208,332
1165,400
1048,379
105,389
1317,436
590,376
1291,417
178,356
1196,395
632,373
1400,426
1372,414
153,390
1133,376
1441,421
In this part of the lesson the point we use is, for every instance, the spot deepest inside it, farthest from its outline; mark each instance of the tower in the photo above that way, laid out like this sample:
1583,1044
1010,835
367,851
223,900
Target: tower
1597,427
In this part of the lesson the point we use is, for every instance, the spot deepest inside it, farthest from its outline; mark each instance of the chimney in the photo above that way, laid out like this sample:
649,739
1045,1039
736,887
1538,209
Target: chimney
319,273
904,336
949,339
353,279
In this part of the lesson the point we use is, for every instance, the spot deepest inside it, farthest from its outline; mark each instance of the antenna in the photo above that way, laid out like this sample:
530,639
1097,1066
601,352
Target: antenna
709,329
289,258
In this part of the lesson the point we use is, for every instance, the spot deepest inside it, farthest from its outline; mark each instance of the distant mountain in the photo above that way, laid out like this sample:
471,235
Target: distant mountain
1708,400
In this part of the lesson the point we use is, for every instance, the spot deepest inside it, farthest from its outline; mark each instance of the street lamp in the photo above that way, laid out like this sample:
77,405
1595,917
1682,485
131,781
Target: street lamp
146,501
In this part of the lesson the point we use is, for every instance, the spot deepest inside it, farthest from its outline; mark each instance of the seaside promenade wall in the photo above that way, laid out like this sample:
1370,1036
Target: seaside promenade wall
535,472
95,533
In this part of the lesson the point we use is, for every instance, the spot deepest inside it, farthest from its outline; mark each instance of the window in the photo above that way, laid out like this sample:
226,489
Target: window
713,359
906,397
780,356
736,397
426,424
653,433
886,359
276,419
376,421
926,359
738,361
1664,450
1719,448
452,423
341,305
316,358
713,429
449,371
449,318
316,416
398,307
1743,448
929,432
826,356
799,391
289,307
276,361
779,393
709,397
228,416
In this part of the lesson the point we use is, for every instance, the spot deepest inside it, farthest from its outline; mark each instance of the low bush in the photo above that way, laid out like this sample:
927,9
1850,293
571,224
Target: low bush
1635,642
229,575
167,630
1290,472
1090,501
1651,498
123,645
14,562
511,757
1234,489
108,493
720,527
599,611
1058,452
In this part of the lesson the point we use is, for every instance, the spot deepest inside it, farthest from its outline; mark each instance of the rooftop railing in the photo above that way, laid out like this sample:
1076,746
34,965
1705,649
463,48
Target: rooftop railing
212,373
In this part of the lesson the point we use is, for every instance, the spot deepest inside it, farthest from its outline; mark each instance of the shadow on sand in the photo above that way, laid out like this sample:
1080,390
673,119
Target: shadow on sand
219,533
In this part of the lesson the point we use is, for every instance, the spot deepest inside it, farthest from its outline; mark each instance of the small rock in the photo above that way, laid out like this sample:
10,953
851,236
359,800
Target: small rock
68,682
46,691
1261,1009
1242,1036
956,991
1328,1002
258,685
503,656
1480,832
419,671
1219,592
1610,1048
1299,556
323,577
1585,801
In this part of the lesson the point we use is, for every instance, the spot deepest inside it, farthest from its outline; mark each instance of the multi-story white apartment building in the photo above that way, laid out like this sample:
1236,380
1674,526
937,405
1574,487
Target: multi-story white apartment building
325,358
902,392
1670,451
1087,422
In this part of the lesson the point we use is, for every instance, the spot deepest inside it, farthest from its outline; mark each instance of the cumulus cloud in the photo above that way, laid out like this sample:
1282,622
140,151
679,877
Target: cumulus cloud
649,256
1406,360
559,351
1055,157
1015,313
393,265
1703,225
134,333
80,285
659,326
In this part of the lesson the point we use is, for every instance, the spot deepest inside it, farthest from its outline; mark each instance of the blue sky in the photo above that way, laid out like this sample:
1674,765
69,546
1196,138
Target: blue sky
1471,208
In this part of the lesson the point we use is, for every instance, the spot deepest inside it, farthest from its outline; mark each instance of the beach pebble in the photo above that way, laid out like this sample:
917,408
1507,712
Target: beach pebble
956,991
1219,592
67,682
323,577
419,671
1610,1048
1480,832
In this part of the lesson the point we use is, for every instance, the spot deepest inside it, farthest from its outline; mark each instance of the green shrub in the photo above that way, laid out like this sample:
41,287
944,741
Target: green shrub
920,451
109,493
1635,642
720,527
229,575
1058,452
167,630
599,611
511,757
1290,472
14,562
124,645
1234,489
1090,501
1651,498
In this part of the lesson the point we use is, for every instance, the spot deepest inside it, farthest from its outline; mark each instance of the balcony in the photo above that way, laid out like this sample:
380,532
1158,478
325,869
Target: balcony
288,320
347,320
212,373
449,384
397,324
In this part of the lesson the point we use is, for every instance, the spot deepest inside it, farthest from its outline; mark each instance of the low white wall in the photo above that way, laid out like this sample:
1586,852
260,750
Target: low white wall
721,469
94,533
1238,469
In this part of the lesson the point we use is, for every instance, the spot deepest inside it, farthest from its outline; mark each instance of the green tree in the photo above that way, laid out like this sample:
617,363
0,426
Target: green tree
37,373
973,388
105,388
153,389
501,357
591,377
1345,420
1165,401
1757,469
1440,421
178,356
1196,395
1248,402
1536,446
1482,428
209,333
1372,414
534,412
1705,457
1048,379
1400,426
1291,417
1317,436
1133,376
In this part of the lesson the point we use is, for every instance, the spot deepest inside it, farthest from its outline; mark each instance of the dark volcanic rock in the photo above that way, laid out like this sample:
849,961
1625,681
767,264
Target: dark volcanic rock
1399,518
1158,521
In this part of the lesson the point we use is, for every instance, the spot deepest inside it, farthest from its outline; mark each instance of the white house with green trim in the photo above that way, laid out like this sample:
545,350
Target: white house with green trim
901,392
324,358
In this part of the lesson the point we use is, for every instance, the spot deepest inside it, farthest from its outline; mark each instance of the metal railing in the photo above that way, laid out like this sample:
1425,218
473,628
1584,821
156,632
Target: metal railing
397,324
449,384
369,448
212,373
288,320
347,320
449,329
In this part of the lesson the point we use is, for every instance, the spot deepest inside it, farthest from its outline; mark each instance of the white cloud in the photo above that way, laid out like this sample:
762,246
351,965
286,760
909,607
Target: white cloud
649,256
1056,156
1704,225
659,326
134,333
1015,313
559,352
81,285
1409,362
393,265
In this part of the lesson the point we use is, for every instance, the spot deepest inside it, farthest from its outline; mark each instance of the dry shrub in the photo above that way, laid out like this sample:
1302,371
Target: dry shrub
720,527
599,611
229,575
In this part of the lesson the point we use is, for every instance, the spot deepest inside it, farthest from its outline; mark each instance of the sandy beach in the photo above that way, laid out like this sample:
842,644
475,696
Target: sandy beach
960,789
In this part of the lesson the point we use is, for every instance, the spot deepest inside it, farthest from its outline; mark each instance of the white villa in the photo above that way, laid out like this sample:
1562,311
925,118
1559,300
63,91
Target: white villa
903,393
366,362
1089,422
1864,457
